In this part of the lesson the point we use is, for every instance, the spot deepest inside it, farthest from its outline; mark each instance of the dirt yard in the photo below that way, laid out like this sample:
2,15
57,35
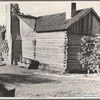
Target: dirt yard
35,83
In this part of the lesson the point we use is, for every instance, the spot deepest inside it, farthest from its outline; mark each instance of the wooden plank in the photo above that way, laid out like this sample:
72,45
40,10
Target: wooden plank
30,53
50,42
28,38
50,62
27,47
89,24
27,50
73,66
50,50
54,58
93,28
72,58
51,34
57,54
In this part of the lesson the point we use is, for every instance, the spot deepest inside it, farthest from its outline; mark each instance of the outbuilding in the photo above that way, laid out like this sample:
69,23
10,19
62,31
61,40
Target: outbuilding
52,40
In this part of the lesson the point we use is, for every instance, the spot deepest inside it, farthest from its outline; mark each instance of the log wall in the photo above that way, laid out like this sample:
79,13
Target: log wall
51,49
28,37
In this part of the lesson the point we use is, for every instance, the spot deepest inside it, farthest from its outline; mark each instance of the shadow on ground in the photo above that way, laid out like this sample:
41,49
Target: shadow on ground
32,79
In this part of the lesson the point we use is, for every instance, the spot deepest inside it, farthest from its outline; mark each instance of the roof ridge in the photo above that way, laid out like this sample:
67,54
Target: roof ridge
27,16
51,14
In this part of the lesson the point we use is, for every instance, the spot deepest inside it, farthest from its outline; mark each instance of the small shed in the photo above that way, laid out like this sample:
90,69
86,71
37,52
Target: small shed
53,39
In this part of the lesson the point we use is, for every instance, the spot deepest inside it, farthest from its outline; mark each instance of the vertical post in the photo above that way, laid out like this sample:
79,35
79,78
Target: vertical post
8,34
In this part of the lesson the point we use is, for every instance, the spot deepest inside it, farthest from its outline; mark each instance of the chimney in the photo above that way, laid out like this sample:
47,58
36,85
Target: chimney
73,9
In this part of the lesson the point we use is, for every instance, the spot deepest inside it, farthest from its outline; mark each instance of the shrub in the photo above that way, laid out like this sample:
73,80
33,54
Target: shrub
89,55
4,49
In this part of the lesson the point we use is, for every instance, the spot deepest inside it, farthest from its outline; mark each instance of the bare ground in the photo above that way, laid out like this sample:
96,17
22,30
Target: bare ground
36,83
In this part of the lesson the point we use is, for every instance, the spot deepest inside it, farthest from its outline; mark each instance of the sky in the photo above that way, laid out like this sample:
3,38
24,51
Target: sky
41,8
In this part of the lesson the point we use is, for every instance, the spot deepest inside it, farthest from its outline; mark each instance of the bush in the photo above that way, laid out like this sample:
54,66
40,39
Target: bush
89,55
4,49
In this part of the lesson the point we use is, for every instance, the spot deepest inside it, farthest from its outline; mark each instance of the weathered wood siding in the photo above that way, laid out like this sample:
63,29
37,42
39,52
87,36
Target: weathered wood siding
73,65
51,48
28,36
87,25
95,25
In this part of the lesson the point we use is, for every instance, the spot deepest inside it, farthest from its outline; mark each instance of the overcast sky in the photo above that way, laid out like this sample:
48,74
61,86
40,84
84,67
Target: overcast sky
46,8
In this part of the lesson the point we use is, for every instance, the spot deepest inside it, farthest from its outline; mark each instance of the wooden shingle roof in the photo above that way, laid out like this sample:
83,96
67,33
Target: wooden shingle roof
80,15
58,22
29,20
51,22
55,22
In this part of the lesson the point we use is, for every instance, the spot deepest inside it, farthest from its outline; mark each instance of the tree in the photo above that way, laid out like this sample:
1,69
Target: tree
14,8
89,55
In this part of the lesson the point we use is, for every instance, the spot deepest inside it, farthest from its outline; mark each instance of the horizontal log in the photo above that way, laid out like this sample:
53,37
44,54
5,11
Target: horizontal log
51,52
27,47
51,46
50,56
49,62
73,61
57,42
60,54
56,66
53,49
51,37
26,34
72,53
28,38
72,57
74,49
30,57
51,34
28,41
30,52
74,69
73,64
51,59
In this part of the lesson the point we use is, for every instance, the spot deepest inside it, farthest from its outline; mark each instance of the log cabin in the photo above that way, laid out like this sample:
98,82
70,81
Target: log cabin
51,39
